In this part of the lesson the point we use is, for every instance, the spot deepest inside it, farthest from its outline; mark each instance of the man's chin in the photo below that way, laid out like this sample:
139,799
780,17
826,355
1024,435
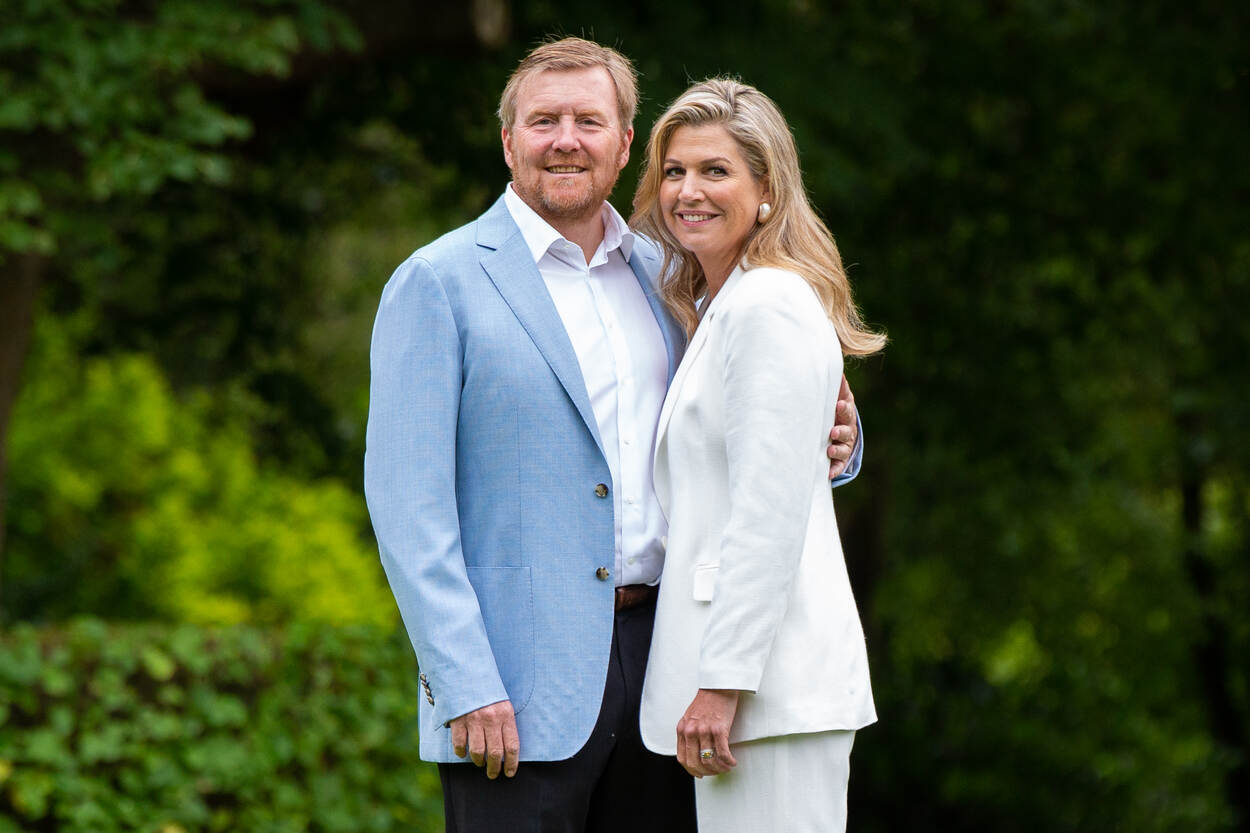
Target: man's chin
568,206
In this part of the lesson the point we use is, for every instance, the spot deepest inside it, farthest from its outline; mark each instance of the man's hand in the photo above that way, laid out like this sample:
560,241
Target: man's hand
489,737
845,431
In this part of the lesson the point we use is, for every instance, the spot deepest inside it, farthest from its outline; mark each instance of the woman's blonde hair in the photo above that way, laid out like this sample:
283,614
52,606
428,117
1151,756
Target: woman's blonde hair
792,238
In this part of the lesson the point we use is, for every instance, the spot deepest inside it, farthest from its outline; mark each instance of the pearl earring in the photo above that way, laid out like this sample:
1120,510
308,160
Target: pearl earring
765,210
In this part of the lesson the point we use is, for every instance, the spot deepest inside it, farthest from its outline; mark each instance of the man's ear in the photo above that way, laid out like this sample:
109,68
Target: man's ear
504,135
626,141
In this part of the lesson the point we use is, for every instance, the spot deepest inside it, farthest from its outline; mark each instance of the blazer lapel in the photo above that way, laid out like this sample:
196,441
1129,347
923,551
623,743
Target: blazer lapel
674,338
511,268
689,359
674,389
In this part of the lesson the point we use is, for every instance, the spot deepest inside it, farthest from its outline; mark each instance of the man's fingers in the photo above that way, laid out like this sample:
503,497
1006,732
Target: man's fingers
511,748
459,737
477,744
497,733
494,755
484,736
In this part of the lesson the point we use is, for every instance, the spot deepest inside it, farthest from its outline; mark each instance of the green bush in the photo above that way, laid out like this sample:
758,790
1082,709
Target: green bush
178,729
127,500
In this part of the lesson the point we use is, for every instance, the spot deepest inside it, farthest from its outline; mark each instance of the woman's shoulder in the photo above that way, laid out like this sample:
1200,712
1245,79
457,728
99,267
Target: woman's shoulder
771,288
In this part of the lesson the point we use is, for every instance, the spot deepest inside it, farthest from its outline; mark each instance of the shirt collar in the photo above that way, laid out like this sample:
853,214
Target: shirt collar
539,235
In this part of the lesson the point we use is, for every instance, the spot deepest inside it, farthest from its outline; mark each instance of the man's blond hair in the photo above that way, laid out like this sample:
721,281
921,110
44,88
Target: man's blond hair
574,53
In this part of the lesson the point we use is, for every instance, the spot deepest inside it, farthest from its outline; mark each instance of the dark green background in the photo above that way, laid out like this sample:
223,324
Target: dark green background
1045,204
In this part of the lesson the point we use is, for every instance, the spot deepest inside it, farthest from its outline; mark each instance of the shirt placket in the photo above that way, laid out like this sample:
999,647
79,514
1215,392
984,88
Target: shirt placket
629,507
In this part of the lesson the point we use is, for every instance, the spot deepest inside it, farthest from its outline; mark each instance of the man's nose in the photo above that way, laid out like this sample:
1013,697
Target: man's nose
566,136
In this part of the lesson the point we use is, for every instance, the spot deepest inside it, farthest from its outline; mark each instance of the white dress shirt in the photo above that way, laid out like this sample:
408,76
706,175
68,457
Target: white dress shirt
620,350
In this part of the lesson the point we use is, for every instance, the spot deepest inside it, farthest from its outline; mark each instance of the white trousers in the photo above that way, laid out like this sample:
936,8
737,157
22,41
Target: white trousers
787,784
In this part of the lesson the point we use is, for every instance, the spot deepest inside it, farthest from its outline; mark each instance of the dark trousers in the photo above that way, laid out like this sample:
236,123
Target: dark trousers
613,784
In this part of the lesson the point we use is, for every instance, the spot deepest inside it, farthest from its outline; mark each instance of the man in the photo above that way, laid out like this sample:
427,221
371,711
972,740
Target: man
519,366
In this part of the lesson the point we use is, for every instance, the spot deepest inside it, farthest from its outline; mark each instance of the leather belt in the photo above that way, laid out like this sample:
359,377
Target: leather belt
634,595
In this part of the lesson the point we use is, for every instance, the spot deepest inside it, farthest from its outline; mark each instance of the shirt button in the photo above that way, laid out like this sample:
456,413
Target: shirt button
601,490
603,574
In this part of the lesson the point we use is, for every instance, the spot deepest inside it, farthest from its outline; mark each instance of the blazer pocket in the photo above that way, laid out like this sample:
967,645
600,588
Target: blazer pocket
703,587
506,598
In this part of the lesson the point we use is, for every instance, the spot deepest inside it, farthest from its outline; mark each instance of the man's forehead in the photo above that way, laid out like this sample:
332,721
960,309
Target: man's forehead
588,88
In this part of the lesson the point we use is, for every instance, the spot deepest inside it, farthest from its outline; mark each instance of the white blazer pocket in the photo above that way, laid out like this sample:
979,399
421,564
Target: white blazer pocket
704,586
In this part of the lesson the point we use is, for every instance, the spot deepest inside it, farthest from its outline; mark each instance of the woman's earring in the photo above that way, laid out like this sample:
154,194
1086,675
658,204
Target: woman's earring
765,210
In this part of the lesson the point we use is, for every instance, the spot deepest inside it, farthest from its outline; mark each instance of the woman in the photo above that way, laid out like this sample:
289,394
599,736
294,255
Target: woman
758,672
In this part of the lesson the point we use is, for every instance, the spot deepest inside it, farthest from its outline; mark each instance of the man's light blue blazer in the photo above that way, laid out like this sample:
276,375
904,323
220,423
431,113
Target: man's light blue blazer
482,464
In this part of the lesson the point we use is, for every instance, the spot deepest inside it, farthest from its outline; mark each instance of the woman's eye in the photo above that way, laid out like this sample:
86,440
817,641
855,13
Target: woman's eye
716,170
672,172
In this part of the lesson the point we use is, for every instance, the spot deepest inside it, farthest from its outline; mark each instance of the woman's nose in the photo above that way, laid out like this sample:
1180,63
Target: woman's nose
689,189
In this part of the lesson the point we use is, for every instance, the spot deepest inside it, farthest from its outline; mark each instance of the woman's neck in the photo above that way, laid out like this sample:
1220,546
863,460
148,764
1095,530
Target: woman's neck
716,273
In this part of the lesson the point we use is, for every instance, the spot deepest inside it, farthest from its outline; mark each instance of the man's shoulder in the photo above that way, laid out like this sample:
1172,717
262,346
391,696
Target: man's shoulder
649,256
457,244
647,248
492,229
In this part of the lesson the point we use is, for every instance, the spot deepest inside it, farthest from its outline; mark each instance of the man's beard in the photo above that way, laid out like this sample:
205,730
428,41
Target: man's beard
569,205
562,203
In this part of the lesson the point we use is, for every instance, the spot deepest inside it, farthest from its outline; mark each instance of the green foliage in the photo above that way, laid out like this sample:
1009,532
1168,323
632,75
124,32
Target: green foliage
101,99
1043,203
180,730
157,506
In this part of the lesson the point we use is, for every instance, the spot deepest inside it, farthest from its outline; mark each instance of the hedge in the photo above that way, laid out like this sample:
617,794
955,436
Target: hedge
178,729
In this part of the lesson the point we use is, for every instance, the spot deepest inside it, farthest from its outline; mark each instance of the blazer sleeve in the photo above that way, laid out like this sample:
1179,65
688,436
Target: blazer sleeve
775,387
857,457
410,486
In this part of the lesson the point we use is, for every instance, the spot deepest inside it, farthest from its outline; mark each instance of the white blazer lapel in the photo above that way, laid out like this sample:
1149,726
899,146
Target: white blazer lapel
697,341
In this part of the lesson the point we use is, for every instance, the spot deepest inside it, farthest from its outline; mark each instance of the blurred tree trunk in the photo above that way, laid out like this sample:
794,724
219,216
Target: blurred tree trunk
1212,653
17,309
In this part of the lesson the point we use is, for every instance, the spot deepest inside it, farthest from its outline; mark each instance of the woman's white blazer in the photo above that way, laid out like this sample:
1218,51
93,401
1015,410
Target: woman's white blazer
754,594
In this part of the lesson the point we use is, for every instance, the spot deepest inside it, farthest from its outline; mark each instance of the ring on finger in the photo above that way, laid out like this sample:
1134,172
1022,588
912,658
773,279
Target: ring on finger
707,754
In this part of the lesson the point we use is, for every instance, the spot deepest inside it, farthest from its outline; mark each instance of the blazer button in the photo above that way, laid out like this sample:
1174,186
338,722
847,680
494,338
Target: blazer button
603,574
601,490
